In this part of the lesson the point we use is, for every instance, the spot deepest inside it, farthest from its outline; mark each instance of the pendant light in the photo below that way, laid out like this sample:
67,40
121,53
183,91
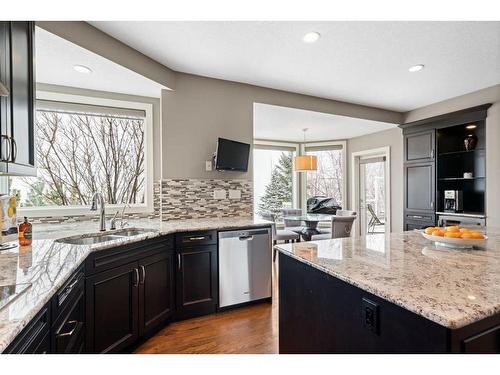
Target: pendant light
305,163
3,90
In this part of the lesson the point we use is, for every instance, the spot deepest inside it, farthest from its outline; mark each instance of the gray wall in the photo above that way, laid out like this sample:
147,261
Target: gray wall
394,139
200,109
488,95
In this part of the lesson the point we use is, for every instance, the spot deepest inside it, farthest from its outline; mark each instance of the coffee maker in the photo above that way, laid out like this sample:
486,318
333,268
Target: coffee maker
453,201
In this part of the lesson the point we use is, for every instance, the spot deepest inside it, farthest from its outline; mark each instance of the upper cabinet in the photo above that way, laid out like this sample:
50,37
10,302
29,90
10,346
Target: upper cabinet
17,108
419,146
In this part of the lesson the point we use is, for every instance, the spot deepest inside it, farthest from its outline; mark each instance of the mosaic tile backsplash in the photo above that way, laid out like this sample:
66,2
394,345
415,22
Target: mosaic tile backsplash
194,198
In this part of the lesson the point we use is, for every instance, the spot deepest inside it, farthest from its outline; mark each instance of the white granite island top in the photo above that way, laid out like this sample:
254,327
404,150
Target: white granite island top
453,288
47,264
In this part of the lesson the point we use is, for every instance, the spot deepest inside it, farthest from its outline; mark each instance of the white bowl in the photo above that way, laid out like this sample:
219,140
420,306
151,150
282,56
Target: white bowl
458,243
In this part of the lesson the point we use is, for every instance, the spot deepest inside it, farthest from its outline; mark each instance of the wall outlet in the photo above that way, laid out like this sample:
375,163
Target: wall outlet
370,315
234,194
219,194
208,165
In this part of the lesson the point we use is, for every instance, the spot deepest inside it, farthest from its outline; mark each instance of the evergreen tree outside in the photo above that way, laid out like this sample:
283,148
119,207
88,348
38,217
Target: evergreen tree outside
279,190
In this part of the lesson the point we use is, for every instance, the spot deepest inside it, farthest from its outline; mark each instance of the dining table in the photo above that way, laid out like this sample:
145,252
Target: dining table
311,221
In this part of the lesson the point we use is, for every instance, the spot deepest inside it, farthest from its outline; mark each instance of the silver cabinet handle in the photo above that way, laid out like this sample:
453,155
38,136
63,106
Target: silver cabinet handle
197,238
14,149
179,260
136,282
143,269
246,238
417,217
70,333
7,148
432,154
432,204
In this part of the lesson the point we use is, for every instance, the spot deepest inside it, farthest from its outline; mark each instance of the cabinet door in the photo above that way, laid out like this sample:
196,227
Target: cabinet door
420,187
156,298
4,100
197,292
22,98
112,309
419,146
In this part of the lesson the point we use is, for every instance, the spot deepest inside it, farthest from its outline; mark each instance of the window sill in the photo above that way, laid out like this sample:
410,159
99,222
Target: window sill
78,211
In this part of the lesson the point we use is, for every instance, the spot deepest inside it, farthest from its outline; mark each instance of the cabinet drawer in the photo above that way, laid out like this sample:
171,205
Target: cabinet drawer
72,289
191,239
413,216
69,331
118,256
34,338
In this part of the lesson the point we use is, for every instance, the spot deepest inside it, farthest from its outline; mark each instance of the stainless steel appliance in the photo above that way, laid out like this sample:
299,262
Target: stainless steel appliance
453,201
245,263
464,220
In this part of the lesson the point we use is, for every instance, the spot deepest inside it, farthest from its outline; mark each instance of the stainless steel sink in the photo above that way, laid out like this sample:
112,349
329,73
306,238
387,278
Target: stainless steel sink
89,240
132,232
101,237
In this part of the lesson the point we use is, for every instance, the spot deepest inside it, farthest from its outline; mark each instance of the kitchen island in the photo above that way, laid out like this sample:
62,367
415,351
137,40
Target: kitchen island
389,293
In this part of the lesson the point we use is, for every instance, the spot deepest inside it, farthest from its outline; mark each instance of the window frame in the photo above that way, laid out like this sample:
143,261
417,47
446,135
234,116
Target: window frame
261,144
342,144
147,206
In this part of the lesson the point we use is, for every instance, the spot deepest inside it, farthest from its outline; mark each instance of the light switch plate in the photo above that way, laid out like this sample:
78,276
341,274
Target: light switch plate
234,194
208,165
219,194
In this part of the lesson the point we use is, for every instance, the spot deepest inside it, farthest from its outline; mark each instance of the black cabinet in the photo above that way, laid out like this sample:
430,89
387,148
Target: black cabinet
126,301
112,309
35,338
420,187
17,110
419,146
156,294
196,274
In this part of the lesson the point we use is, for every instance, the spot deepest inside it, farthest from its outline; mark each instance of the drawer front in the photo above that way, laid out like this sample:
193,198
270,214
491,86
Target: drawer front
66,296
414,216
118,256
191,239
69,332
34,338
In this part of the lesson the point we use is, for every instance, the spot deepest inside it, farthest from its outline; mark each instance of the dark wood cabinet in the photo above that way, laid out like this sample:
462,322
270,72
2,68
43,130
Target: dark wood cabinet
156,297
419,146
17,110
112,309
420,187
196,279
35,338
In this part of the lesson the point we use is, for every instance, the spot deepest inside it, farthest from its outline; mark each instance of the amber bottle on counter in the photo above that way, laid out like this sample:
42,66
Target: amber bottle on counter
25,233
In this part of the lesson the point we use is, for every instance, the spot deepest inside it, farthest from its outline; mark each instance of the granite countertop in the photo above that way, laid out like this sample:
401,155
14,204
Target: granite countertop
453,288
47,264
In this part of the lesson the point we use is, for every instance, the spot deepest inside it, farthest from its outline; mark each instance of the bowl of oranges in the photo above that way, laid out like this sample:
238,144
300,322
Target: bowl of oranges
455,236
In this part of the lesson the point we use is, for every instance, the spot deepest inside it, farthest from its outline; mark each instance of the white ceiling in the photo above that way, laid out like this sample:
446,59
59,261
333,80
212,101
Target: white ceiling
359,62
55,60
285,124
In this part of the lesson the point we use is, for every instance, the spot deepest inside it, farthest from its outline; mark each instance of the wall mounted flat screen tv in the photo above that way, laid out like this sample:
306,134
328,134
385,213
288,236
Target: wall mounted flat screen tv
231,155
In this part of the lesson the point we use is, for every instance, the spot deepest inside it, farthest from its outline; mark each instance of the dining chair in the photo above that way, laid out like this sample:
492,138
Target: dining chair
341,225
293,225
374,220
279,234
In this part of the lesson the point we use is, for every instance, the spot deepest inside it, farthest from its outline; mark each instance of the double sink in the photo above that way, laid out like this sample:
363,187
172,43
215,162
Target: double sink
92,239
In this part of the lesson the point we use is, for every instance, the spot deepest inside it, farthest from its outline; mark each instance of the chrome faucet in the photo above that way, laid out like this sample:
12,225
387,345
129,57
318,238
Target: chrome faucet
99,199
123,222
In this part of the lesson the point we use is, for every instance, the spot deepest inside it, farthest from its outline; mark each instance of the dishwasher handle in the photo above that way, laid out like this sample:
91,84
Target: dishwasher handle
246,238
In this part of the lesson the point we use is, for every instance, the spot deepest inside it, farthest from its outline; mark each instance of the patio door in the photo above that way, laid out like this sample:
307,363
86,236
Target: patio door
372,194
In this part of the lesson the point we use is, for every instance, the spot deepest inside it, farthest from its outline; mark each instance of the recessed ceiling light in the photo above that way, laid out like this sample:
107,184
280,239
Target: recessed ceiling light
82,69
471,126
416,68
311,37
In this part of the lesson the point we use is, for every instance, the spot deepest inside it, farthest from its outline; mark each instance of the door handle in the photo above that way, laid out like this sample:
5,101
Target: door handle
246,238
179,260
14,149
200,238
7,148
136,281
143,269
70,333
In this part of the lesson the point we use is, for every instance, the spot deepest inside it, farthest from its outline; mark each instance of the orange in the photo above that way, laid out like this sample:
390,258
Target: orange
452,234
477,235
453,228
467,236
463,230
439,233
429,230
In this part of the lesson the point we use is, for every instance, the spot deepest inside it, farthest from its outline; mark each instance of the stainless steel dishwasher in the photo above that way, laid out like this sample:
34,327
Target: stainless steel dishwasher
245,263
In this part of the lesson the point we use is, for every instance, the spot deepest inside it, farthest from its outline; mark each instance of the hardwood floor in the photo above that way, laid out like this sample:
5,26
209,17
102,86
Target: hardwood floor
252,329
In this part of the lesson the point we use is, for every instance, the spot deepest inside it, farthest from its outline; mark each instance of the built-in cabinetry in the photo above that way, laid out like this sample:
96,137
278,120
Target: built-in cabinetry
17,109
129,293
197,274
435,160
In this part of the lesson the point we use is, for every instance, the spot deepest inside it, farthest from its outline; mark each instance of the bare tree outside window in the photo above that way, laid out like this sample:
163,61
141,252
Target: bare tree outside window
78,154
327,180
